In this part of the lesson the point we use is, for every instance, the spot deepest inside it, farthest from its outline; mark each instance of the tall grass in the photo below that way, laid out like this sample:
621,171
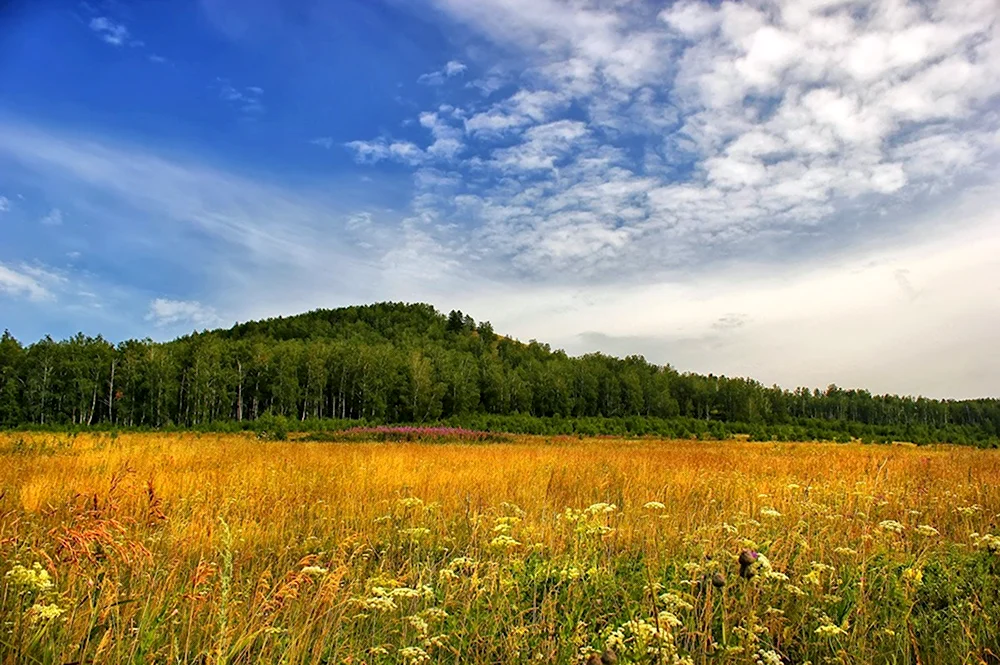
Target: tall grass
184,548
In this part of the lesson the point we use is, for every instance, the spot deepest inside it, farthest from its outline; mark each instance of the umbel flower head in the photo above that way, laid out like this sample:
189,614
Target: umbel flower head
35,579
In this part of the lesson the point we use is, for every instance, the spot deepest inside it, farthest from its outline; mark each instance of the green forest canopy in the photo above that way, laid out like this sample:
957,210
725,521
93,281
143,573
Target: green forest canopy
396,363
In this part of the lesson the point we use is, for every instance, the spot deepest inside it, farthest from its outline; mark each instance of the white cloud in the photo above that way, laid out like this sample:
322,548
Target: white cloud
31,282
447,137
454,68
4,204
451,69
323,142
110,31
372,152
752,121
918,316
166,312
53,218
248,100
261,248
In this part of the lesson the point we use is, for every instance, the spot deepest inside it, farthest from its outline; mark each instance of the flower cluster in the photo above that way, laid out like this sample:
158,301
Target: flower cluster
31,580
414,433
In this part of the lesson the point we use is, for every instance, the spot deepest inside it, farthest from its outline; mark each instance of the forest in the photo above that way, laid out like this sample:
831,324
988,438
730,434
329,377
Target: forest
409,363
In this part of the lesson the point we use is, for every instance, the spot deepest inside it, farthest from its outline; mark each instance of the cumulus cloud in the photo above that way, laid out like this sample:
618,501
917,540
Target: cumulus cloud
644,148
707,129
166,312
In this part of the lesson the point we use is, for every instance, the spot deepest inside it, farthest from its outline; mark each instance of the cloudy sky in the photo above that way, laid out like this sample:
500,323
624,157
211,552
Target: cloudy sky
802,191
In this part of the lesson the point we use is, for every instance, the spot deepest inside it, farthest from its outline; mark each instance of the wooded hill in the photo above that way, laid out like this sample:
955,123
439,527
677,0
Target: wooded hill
396,362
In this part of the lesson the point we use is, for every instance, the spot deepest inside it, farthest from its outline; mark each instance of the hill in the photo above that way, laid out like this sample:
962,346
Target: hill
397,362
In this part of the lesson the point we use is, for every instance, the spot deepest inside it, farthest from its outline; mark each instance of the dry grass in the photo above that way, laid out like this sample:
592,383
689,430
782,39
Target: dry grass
223,549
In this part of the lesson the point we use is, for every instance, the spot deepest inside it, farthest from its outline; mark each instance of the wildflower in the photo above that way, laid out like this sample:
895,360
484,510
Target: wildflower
47,612
674,603
752,562
419,624
913,576
503,541
768,657
774,576
434,614
927,530
891,525
570,573
845,551
829,629
416,533
794,590
35,579
654,505
769,512
316,571
413,655
423,591
599,508
693,569
669,618
378,602
438,641
988,542
411,502
462,563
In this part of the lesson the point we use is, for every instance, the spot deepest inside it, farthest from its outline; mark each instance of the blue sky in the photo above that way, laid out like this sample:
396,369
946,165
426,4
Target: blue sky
803,191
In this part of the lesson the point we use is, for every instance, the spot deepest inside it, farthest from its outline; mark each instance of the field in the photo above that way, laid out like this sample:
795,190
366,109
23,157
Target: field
211,549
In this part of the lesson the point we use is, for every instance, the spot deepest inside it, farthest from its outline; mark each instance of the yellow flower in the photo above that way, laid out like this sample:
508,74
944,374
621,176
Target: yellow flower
913,576
35,579
504,541
891,525
48,612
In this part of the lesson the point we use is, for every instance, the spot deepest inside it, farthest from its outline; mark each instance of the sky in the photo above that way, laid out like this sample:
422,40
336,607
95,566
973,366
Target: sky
800,191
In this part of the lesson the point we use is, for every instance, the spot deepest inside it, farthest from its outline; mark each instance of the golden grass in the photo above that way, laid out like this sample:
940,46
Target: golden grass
222,549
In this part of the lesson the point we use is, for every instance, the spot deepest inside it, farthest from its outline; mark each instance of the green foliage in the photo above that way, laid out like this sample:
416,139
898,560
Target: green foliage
408,363
271,427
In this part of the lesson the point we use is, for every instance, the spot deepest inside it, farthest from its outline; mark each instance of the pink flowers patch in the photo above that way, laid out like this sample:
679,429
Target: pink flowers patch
412,433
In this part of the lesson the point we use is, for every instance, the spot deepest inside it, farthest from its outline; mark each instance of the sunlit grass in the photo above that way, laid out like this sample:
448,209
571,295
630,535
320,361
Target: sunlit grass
225,549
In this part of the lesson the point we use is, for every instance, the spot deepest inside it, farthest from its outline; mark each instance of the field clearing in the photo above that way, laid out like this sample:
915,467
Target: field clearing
166,548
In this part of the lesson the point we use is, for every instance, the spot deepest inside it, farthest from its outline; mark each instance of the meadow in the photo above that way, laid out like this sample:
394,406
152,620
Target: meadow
222,549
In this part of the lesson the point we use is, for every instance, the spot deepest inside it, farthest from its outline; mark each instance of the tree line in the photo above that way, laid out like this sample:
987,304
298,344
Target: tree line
395,363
